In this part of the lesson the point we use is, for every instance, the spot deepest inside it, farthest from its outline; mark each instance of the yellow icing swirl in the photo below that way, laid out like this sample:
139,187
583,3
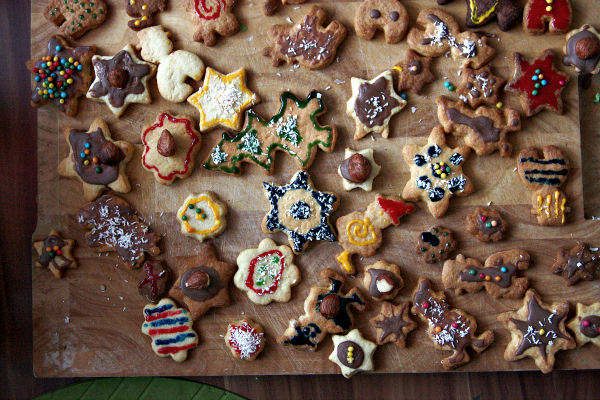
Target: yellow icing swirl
361,233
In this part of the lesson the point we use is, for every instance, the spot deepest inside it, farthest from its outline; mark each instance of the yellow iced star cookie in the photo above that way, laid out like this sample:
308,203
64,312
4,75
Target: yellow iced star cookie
202,216
223,99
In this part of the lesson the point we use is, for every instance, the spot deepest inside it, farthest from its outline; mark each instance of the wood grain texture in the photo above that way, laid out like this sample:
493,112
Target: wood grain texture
68,350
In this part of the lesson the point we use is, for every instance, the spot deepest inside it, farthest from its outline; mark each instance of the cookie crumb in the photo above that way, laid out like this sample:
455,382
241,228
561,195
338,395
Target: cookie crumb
103,288
339,81
67,320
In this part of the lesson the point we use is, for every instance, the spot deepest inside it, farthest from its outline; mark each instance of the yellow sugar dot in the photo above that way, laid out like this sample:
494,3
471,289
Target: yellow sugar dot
144,18
350,348
51,86
69,81
443,176
86,162
144,7
136,23
40,91
499,104
549,8
542,332
71,59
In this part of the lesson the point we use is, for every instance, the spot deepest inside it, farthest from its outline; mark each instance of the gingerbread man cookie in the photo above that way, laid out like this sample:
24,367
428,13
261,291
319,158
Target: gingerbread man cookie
414,72
575,264
121,80
309,42
373,104
55,253
498,276
64,89
442,35
359,169
360,232
436,173
267,273
294,129
383,280
484,129
482,12
486,224
545,175
450,329
557,14
114,226
143,11
202,216
96,160
245,338
203,282
586,324
390,16
170,328
326,310
393,323
170,147
352,353
480,86
211,18
300,211
223,99
537,331
154,284
75,17
436,244
538,83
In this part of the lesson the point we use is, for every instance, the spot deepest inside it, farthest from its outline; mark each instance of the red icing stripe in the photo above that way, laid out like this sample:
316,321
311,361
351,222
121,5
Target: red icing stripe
175,349
559,16
154,332
150,318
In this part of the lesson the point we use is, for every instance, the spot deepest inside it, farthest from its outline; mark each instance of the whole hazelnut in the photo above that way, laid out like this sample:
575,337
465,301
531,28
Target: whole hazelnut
198,280
587,48
109,153
118,77
330,306
166,145
359,168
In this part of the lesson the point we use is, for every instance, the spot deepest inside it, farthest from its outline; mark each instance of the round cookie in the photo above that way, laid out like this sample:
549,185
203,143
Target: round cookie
586,324
486,224
436,244
383,280
245,338
202,216
390,16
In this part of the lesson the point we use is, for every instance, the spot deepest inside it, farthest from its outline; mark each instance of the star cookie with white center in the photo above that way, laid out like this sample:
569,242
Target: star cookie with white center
222,100
202,216
436,172
537,331
352,353
55,253
121,79
203,281
96,160
373,103
267,273
300,211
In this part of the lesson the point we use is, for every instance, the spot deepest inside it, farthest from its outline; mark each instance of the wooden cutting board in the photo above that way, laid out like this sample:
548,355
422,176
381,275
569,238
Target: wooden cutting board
80,330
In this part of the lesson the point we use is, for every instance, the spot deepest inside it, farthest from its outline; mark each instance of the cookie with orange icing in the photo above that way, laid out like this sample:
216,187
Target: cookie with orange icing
202,216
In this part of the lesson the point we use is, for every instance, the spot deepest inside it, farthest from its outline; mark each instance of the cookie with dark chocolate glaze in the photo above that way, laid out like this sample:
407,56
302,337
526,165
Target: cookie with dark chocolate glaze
486,224
436,244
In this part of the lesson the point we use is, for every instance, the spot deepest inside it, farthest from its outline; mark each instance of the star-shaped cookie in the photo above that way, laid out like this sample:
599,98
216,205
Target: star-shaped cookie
436,172
393,323
202,216
352,353
223,99
538,83
203,281
121,79
267,273
586,324
96,160
480,86
170,147
62,86
55,253
359,169
300,211
414,72
373,103
537,331
575,264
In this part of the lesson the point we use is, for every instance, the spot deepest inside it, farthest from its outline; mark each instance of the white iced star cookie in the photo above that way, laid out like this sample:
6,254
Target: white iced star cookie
267,273
223,99
352,353
358,170
373,103
202,216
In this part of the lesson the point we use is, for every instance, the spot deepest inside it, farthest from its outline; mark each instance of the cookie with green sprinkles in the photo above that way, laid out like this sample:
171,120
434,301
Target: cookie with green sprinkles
75,17
436,244
202,216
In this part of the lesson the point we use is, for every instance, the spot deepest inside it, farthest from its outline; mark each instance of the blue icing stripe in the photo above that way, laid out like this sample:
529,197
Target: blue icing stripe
169,321
157,310
179,338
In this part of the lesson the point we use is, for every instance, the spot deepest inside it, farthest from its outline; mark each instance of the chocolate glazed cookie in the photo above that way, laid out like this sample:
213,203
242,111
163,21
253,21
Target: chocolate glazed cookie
436,244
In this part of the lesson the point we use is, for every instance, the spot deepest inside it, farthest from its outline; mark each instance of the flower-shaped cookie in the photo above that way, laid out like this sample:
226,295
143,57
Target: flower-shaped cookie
436,172
202,216
586,324
359,169
203,282
245,338
222,100
267,273
352,353
121,80
55,253
373,103
170,147
480,86
300,211
96,160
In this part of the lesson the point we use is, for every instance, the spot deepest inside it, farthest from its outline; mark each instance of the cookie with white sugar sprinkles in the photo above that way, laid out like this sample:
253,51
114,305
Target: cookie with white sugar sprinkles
245,338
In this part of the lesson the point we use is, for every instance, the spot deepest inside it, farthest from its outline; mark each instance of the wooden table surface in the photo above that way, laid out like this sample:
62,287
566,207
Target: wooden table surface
18,188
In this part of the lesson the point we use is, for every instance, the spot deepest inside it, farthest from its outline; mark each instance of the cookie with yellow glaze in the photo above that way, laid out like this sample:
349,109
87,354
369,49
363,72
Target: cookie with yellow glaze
202,216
